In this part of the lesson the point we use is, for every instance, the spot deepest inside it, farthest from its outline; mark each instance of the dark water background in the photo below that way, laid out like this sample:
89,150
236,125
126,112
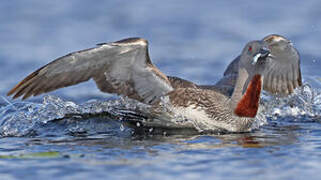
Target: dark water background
191,39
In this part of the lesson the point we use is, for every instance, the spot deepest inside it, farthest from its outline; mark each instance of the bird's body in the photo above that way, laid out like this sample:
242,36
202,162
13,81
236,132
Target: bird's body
124,67
209,108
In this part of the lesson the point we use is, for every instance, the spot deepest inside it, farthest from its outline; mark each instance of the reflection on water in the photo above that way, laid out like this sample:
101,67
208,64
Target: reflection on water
265,137
136,153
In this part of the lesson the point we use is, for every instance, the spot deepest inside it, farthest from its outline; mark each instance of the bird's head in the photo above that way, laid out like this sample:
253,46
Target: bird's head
254,56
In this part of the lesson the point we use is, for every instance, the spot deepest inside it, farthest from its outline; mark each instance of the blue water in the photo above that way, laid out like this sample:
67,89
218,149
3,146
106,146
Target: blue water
189,39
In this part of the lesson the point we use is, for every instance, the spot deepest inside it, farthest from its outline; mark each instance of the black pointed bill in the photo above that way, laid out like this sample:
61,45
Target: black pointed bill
263,53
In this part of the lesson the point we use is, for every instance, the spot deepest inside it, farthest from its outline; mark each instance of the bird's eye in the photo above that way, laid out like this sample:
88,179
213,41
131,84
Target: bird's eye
250,49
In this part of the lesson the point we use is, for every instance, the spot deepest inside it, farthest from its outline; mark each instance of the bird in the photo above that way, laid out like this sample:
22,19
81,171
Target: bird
125,68
282,74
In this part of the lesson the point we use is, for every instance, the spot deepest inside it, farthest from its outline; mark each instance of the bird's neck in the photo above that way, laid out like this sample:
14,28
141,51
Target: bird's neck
246,96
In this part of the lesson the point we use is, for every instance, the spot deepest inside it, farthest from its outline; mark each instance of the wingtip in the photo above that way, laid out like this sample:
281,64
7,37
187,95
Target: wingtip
9,93
13,90
17,90
274,38
16,96
132,41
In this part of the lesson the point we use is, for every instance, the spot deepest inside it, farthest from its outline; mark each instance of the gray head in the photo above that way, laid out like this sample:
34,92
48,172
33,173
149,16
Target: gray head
254,56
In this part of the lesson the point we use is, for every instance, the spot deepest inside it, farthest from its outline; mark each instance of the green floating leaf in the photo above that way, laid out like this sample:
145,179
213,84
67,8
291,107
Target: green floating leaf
51,154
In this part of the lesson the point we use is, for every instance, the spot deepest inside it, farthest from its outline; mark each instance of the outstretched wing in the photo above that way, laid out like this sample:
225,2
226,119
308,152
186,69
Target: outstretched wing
121,67
282,74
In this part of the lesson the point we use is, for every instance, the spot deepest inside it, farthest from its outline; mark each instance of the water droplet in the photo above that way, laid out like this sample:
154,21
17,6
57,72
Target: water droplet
122,128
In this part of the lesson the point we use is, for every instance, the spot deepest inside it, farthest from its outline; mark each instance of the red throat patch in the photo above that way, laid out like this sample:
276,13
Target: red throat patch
249,104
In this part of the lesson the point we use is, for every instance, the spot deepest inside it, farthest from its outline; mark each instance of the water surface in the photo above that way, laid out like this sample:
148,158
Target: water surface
193,40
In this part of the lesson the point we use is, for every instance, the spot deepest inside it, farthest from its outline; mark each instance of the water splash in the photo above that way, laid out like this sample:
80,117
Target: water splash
305,101
27,118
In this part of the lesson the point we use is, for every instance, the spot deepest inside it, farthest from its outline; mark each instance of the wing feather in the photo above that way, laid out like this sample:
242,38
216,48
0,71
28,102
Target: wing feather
121,67
282,74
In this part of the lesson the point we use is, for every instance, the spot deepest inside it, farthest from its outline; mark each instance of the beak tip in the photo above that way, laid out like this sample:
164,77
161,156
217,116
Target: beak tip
263,52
